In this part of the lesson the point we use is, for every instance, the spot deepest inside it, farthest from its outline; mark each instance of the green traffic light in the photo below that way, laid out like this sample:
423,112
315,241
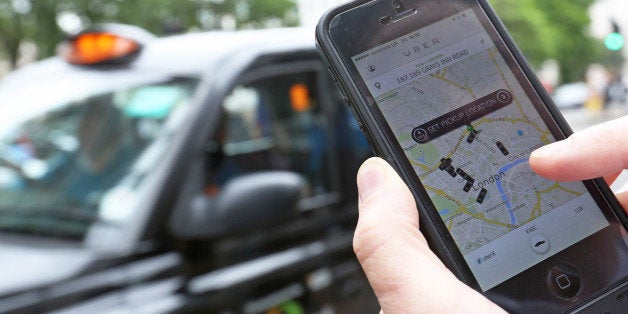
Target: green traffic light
614,41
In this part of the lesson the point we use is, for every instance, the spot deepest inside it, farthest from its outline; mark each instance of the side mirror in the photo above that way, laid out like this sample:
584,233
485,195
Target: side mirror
245,204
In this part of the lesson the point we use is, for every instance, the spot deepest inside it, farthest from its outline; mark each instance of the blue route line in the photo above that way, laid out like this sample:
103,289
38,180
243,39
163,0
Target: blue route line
500,188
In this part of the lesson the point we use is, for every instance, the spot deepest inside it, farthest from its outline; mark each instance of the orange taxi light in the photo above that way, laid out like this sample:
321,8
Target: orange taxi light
93,48
300,97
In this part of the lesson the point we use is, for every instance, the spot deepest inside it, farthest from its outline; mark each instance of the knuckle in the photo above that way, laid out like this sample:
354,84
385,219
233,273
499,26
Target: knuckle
367,241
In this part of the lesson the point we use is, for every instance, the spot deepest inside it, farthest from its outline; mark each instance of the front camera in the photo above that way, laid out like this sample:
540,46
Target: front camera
398,6
400,13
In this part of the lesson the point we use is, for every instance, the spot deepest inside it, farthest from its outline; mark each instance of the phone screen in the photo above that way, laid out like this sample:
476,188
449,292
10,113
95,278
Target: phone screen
467,127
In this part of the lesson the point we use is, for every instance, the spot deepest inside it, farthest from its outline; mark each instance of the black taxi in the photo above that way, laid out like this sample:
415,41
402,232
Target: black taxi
205,172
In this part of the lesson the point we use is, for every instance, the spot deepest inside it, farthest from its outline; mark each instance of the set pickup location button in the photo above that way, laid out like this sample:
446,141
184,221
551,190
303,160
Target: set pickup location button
462,116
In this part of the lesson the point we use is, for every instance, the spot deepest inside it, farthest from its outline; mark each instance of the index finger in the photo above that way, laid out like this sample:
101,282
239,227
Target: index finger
598,151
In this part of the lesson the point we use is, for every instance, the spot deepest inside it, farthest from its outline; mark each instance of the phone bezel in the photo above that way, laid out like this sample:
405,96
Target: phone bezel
381,136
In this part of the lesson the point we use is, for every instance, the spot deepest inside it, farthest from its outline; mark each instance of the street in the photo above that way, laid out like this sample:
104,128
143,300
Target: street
582,118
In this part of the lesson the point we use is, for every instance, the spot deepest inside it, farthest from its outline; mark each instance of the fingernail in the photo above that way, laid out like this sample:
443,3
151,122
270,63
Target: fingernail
549,151
371,177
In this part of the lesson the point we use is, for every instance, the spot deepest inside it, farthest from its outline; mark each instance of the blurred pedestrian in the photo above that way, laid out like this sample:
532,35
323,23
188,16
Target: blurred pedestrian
615,92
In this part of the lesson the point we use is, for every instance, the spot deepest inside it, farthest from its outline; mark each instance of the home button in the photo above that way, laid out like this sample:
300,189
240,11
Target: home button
563,281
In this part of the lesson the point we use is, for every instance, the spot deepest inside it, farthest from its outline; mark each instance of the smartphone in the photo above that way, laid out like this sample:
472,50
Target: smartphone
444,94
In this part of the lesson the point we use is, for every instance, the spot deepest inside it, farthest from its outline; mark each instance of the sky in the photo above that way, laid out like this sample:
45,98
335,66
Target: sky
602,11
311,10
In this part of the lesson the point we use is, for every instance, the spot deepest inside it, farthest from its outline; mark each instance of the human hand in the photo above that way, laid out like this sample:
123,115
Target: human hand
599,151
405,274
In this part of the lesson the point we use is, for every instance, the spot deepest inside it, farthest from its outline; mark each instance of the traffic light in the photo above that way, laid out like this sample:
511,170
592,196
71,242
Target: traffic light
615,40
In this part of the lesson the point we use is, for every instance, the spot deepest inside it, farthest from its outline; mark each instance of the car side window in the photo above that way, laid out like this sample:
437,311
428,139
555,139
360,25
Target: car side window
275,123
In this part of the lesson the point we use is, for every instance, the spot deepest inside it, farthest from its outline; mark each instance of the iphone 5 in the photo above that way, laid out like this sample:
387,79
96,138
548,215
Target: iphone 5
444,94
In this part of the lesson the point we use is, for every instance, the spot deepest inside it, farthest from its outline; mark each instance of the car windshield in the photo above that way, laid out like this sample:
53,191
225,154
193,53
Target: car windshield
62,162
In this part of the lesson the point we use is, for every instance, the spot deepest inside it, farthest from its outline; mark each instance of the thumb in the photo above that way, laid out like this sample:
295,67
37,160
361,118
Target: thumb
404,273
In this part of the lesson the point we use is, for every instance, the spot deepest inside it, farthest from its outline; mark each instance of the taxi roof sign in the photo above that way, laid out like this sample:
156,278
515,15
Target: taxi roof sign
107,44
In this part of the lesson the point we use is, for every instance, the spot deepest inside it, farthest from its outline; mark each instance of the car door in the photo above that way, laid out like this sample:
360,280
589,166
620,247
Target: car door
280,116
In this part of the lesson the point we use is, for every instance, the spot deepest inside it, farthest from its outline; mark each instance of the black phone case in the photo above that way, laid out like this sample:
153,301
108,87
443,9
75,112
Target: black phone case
439,240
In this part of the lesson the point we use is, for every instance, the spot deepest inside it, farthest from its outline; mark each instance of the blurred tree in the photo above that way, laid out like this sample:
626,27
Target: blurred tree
46,22
554,29
259,10
20,20
576,49
529,26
